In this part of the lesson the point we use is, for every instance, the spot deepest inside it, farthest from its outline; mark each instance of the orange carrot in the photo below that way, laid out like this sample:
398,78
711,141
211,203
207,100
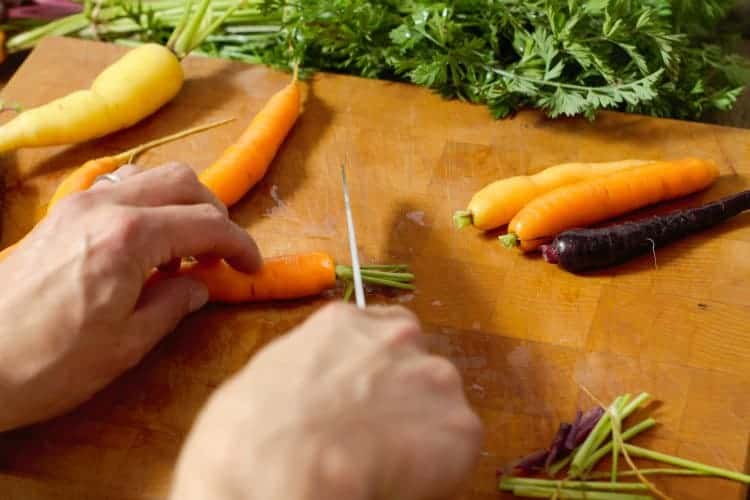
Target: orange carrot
286,277
245,162
282,278
497,203
597,200
84,176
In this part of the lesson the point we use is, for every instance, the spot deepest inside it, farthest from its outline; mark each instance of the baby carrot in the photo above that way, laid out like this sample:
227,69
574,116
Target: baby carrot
597,200
497,203
246,161
282,278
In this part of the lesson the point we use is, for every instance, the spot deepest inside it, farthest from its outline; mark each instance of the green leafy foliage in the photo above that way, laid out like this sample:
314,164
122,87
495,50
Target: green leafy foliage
669,58
567,57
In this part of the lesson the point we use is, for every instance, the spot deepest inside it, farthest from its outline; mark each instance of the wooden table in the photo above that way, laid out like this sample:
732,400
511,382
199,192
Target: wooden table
525,335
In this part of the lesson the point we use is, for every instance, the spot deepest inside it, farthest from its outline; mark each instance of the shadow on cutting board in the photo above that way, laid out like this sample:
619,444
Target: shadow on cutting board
614,128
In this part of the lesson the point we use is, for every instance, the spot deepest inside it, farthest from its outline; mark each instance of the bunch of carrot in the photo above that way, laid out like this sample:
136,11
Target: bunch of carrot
544,207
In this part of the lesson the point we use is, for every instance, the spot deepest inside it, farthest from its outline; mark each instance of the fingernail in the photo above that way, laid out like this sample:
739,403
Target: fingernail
198,297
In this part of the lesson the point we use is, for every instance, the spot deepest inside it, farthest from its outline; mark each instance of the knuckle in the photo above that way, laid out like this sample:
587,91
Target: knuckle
468,425
126,226
211,214
181,172
442,373
404,331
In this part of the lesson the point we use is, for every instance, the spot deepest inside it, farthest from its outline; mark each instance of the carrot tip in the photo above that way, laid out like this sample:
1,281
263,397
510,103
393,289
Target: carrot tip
462,219
509,240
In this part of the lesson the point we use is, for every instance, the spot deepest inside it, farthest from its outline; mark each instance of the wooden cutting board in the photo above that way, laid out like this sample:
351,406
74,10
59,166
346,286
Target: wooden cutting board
524,334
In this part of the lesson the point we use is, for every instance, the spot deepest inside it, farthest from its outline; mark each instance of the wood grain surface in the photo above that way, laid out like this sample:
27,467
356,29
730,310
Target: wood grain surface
524,334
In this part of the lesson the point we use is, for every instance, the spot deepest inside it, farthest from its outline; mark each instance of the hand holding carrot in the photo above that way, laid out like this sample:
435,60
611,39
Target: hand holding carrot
84,268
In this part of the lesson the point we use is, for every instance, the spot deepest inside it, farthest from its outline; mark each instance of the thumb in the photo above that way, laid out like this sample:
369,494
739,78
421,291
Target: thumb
164,303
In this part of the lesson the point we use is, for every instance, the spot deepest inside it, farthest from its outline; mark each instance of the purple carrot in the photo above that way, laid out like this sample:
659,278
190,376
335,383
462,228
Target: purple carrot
557,448
533,462
580,250
584,426
573,430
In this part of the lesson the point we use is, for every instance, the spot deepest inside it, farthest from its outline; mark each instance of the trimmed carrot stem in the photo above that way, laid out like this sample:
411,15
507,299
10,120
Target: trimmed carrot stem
462,219
569,494
651,472
600,432
508,483
637,451
630,433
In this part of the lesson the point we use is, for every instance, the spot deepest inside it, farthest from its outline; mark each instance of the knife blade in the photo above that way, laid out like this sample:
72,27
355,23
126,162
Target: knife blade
359,293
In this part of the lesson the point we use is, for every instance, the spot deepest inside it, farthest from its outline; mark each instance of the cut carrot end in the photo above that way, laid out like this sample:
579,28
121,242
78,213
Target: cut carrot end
509,240
462,219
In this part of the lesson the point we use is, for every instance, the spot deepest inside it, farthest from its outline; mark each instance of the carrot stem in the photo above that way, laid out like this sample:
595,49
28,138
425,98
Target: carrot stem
462,219
388,279
386,267
637,451
403,277
628,434
180,26
652,472
563,494
508,483
509,240
562,463
348,291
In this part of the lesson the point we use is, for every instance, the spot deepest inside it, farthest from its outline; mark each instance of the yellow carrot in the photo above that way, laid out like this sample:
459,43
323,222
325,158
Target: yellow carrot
132,88
497,203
